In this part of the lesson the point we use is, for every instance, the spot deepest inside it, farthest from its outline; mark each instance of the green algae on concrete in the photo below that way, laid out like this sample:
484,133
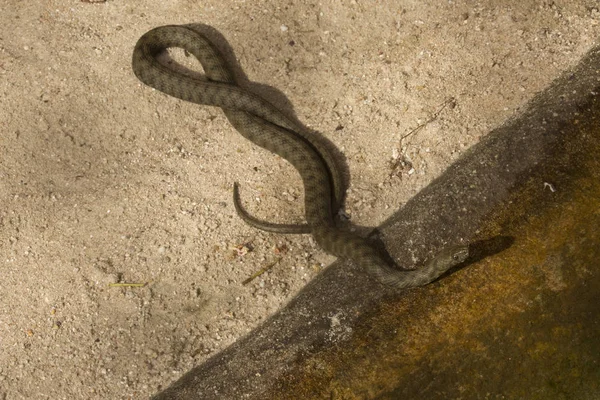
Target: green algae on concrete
520,324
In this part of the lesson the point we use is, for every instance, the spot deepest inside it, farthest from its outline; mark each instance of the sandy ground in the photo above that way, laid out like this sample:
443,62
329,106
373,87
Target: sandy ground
104,180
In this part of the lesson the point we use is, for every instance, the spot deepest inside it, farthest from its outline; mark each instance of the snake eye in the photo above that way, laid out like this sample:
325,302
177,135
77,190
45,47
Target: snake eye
459,256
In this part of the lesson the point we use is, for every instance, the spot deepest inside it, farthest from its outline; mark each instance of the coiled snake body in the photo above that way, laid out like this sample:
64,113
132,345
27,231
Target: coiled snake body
263,124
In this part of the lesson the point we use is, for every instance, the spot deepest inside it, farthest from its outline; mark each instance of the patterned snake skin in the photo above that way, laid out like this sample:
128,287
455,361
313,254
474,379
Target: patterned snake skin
263,124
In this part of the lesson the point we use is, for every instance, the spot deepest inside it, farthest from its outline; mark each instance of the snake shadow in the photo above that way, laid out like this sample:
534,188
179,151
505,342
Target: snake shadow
271,94
480,249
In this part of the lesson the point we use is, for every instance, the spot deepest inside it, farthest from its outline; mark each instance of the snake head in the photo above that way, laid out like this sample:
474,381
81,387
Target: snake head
460,254
452,256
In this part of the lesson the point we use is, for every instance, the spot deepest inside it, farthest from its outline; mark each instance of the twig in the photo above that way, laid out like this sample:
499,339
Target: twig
261,271
448,101
402,159
124,284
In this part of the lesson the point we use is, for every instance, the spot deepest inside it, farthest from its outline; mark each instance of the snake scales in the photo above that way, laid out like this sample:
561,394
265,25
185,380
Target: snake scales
263,124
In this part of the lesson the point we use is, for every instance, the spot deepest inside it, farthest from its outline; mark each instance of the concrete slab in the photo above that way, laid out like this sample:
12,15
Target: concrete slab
519,321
